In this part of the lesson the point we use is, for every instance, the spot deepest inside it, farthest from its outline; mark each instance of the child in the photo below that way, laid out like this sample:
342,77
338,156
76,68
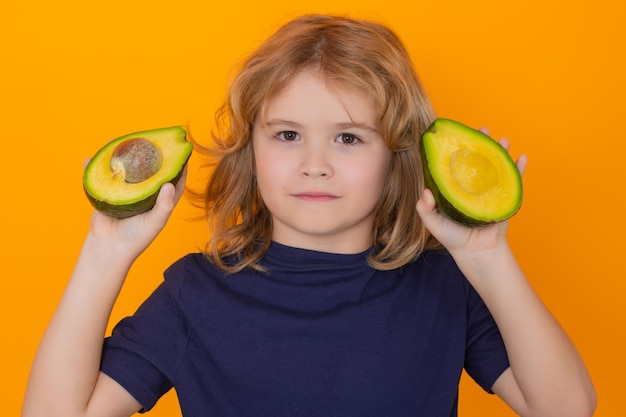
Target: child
330,285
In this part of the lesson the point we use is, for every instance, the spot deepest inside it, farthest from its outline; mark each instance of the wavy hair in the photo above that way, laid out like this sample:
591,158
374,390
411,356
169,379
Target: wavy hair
361,55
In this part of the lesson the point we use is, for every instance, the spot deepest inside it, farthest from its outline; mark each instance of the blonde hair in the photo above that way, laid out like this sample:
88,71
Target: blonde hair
358,54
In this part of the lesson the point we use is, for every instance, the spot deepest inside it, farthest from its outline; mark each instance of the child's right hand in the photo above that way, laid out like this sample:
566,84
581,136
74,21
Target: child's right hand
126,239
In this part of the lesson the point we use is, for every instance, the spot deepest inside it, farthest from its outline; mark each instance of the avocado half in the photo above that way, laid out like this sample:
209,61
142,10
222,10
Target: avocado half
117,180
473,178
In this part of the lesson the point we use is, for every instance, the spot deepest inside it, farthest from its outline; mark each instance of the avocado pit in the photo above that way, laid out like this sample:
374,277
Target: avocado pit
135,160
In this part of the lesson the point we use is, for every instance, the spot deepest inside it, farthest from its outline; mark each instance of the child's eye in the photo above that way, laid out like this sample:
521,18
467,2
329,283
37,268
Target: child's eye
288,135
348,139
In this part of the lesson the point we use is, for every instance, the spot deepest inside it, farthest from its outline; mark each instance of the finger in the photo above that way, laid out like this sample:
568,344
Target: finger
180,185
168,197
85,162
504,142
166,200
521,163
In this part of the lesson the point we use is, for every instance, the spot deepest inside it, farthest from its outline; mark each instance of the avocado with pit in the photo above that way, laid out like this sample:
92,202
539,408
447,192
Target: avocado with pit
473,178
124,177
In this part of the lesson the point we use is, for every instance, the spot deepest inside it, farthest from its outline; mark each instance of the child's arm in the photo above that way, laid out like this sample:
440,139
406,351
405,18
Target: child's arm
65,378
547,376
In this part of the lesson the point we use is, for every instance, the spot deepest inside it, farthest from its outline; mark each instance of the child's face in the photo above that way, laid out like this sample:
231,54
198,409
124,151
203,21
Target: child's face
321,165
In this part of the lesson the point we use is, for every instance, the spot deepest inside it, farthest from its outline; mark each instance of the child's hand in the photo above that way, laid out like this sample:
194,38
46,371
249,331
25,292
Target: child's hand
458,239
127,238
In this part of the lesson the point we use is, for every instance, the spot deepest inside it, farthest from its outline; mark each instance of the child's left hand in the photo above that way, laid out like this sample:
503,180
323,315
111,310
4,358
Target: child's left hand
458,239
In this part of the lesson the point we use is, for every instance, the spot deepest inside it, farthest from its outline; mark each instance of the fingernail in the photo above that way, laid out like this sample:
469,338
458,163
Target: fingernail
168,189
427,196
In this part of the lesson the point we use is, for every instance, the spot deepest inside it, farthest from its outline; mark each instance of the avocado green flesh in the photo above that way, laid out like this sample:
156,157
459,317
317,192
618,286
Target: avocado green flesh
473,179
111,195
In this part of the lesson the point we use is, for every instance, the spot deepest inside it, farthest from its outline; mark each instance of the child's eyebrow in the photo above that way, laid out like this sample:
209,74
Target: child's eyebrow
356,125
281,122
340,126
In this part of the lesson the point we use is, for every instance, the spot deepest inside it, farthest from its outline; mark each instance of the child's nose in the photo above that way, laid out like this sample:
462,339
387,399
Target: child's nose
316,161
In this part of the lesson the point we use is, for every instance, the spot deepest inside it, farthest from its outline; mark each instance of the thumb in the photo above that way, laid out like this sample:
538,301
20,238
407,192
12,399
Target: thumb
426,204
426,208
166,200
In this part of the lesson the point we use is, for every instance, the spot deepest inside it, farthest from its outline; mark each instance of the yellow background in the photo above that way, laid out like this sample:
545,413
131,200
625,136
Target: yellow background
549,75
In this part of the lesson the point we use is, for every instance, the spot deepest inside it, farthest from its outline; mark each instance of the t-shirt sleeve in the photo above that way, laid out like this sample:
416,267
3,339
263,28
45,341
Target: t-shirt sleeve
485,357
145,350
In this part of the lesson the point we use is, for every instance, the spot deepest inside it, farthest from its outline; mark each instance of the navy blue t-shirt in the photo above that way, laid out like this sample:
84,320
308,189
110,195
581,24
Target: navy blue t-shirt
319,335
